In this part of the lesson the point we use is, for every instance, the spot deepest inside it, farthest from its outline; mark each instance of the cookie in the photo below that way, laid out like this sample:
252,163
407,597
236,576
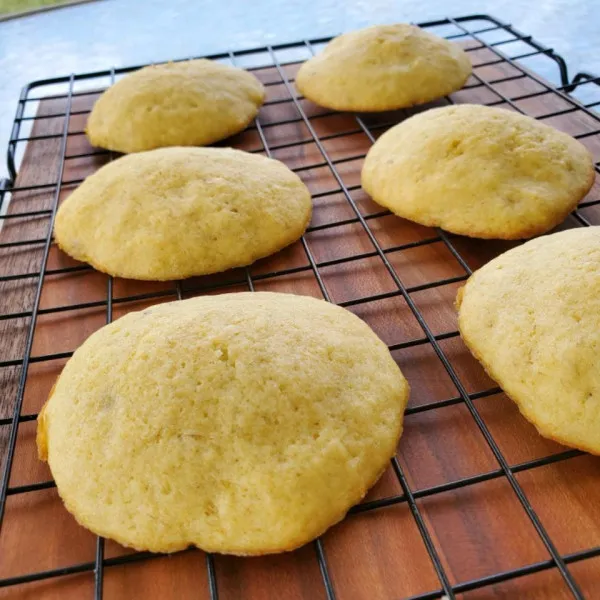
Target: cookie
243,423
384,67
532,318
190,103
478,171
177,212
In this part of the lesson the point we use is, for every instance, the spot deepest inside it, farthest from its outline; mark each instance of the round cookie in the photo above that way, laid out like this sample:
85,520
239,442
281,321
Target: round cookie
532,318
242,423
191,103
478,171
177,212
384,67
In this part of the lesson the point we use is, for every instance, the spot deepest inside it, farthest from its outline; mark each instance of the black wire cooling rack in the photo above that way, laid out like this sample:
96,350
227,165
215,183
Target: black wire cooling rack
481,32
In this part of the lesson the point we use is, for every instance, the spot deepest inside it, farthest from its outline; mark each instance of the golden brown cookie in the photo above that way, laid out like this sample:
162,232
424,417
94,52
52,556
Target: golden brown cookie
532,318
177,212
189,103
383,67
478,171
241,423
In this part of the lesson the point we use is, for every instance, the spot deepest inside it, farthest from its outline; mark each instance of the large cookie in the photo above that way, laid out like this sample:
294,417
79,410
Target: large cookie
532,318
384,67
177,212
478,171
191,103
240,423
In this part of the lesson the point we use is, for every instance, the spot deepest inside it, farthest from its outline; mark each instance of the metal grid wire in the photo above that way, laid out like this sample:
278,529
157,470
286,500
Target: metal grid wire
461,32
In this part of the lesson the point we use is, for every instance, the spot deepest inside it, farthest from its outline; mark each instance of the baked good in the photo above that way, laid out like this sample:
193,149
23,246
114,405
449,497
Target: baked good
190,103
532,318
383,67
478,171
242,423
176,212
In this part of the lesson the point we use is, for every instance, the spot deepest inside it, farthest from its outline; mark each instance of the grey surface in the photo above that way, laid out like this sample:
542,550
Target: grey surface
124,32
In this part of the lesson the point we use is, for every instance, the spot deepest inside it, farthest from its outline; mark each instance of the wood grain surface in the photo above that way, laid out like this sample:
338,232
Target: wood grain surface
478,530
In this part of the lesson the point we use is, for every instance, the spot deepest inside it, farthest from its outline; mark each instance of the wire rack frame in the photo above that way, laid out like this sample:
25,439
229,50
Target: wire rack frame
409,496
